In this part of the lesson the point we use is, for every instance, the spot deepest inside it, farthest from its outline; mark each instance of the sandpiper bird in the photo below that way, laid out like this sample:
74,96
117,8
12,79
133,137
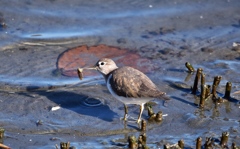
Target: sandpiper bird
128,85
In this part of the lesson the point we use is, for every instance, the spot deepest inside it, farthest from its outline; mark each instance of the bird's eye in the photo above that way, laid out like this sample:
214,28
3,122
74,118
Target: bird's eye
102,63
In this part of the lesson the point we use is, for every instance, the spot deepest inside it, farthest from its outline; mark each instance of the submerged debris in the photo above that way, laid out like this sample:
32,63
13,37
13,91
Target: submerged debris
2,22
39,122
207,49
55,108
235,44
80,72
173,146
121,41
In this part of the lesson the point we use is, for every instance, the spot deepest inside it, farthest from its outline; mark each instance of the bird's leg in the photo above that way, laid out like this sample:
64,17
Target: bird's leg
140,114
126,112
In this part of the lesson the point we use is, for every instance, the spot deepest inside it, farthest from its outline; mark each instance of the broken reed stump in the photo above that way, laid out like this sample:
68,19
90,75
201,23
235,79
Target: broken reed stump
199,143
208,143
140,142
125,112
150,110
132,142
208,87
217,80
64,145
228,90
214,92
166,146
234,146
203,79
197,77
151,114
1,135
142,139
159,116
224,139
181,144
208,91
144,125
189,67
202,96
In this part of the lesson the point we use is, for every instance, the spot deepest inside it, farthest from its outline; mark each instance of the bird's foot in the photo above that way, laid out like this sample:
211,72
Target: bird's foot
139,121
127,118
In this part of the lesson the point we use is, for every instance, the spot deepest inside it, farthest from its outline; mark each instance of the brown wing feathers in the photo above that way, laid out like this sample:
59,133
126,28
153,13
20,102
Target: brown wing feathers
133,83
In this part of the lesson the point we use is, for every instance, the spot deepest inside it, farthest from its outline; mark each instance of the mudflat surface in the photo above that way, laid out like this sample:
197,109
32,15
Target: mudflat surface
166,33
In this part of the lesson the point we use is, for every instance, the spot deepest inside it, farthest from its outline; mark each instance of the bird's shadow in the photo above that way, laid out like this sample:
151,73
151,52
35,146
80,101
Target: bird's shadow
184,101
77,103
236,25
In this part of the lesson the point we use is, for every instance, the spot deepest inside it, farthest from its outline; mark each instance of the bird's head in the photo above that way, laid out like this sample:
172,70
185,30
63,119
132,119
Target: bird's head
105,66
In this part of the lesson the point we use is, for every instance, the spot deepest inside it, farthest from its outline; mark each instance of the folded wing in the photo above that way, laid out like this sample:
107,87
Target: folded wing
130,82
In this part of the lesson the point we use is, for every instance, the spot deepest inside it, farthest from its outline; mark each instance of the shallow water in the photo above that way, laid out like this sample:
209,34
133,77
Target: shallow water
167,33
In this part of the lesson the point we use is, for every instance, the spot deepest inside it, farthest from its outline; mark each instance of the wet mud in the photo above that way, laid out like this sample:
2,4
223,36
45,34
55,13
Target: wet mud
42,106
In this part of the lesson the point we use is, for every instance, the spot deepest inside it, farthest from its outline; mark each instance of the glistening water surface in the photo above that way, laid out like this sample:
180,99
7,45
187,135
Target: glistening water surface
166,34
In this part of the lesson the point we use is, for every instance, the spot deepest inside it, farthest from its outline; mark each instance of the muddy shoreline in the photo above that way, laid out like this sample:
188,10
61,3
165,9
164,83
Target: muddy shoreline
167,33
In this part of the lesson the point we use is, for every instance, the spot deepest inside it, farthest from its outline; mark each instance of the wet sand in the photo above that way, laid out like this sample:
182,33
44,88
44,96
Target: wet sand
167,33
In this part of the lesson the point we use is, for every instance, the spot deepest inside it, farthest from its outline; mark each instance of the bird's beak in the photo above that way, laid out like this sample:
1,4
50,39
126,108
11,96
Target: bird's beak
91,67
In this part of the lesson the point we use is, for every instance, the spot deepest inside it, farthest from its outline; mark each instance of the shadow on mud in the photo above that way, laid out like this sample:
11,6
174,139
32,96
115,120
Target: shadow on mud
77,103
